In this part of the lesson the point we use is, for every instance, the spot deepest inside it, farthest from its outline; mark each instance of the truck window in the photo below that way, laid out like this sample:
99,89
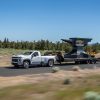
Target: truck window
35,54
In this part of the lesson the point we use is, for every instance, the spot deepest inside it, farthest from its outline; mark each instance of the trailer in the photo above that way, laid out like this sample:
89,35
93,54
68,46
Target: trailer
77,54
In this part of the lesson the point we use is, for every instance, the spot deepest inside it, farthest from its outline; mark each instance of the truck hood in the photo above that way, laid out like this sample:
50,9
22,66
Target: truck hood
22,56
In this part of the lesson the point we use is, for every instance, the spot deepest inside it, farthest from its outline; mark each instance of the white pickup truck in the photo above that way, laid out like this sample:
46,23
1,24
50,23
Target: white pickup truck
30,58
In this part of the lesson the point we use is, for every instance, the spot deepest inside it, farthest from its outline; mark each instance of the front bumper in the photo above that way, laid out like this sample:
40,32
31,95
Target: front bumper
17,61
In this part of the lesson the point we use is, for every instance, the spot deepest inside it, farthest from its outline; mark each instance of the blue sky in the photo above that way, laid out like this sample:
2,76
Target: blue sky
49,19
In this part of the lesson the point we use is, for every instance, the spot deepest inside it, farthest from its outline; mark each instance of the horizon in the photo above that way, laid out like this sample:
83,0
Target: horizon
7,39
52,20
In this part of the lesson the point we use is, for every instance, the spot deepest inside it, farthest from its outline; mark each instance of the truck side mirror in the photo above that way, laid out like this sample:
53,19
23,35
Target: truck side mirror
33,56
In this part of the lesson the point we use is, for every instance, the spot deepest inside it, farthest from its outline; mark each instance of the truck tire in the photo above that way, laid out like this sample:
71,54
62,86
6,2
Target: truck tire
51,63
26,64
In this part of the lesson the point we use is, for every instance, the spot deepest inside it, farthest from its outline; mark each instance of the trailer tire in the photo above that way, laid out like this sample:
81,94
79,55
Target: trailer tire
93,61
76,62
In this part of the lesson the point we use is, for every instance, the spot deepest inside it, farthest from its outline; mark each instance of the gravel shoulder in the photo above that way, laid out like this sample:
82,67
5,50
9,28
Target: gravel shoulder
36,78
5,60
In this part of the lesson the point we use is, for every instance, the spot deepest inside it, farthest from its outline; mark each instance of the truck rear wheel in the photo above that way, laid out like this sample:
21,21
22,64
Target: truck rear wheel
26,64
50,63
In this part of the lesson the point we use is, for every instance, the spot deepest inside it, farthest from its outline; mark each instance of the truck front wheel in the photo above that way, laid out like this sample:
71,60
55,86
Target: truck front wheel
50,63
26,64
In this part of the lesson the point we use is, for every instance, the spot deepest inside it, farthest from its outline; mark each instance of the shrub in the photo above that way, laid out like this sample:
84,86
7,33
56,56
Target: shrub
76,68
91,96
98,97
66,81
55,69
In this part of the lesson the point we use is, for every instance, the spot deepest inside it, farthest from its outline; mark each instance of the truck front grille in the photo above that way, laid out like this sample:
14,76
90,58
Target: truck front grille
14,60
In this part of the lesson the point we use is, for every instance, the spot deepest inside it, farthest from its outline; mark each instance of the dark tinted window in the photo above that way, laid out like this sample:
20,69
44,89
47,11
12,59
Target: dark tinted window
35,54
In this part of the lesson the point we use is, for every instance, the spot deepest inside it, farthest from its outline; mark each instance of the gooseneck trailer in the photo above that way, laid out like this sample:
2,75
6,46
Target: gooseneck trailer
77,54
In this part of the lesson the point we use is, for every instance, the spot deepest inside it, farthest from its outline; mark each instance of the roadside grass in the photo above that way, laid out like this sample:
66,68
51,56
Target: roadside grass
6,54
7,51
52,90
10,51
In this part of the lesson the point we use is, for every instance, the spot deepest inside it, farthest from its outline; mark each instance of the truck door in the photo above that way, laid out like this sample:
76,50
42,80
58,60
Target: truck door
36,59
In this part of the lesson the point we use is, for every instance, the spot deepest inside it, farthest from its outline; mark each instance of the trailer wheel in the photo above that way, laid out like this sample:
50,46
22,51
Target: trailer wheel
51,63
93,61
87,62
76,62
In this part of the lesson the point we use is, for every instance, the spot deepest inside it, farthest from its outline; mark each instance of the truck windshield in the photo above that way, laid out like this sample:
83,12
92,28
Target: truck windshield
27,53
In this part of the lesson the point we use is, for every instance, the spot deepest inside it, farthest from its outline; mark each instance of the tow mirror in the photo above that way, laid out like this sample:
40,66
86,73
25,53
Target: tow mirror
33,56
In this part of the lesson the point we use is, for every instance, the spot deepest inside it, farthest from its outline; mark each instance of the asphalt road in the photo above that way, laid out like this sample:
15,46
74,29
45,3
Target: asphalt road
11,71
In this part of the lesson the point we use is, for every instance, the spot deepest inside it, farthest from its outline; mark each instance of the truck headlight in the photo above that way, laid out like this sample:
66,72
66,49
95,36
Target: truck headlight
20,59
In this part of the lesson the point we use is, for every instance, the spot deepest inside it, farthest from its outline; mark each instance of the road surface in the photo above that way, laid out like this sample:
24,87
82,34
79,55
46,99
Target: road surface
11,71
